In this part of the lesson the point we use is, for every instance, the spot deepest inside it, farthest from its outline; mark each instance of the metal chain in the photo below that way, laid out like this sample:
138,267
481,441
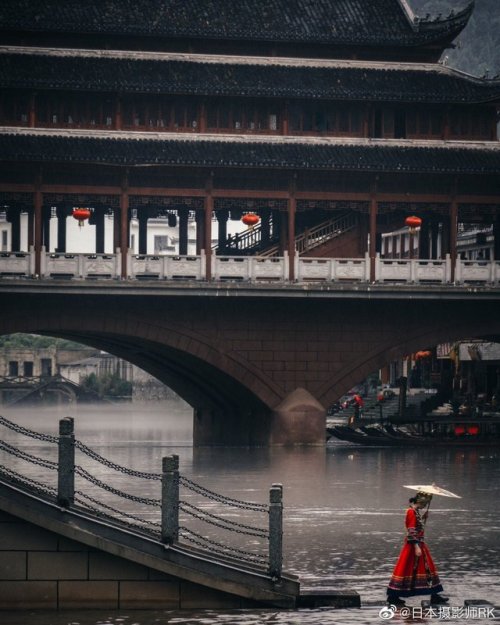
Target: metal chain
14,451
81,495
224,550
86,475
47,438
100,513
218,521
112,465
35,485
236,503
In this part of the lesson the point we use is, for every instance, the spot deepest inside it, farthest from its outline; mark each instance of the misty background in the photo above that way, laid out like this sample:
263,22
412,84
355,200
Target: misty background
477,48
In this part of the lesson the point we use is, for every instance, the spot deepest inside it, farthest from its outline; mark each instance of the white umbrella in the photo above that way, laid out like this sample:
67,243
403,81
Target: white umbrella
431,489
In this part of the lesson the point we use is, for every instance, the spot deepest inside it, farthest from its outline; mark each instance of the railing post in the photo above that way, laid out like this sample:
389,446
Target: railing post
275,530
66,466
170,499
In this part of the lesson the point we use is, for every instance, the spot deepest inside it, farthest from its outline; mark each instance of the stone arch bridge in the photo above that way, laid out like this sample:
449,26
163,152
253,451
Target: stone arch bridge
260,364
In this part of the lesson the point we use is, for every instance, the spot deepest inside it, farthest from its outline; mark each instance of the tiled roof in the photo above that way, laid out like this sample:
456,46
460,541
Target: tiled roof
169,73
367,22
121,148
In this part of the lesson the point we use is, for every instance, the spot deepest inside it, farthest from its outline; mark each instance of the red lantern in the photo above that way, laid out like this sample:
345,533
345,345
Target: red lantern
423,354
250,219
413,222
81,214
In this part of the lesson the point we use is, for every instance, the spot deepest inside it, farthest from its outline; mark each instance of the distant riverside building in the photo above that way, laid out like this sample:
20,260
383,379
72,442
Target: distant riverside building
329,116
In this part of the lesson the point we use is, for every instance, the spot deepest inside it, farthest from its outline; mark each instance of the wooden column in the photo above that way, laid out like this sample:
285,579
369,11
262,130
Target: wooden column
423,241
285,124
200,230
496,239
222,217
61,213
99,230
14,218
453,233
183,231
434,239
37,201
31,225
142,217
118,114
292,209
32,112
203,117
373,230
124,206
209,207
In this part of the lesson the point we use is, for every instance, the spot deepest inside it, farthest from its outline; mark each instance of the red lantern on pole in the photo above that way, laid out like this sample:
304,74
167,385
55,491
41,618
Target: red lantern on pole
81,214
250,219
413,222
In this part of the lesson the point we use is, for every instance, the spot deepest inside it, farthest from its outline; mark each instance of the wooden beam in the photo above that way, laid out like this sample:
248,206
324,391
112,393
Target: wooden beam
252,194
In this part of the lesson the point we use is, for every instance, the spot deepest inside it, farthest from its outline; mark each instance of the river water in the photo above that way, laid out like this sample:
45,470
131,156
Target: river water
343,517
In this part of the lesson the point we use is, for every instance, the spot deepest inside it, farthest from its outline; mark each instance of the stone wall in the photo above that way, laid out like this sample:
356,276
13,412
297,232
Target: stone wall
42,570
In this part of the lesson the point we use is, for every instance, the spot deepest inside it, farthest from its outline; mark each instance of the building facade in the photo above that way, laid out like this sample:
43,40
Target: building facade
201,114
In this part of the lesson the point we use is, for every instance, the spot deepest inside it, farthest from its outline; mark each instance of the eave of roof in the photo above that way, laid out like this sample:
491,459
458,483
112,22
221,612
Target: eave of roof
306,153
210,75
377,22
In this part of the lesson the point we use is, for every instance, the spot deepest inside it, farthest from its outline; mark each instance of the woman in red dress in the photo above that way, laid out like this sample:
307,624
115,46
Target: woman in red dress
415,572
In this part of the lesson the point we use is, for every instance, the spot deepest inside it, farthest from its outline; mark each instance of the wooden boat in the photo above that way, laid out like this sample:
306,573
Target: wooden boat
432,430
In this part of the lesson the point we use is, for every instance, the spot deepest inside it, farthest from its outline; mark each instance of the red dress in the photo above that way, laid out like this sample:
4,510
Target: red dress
414,575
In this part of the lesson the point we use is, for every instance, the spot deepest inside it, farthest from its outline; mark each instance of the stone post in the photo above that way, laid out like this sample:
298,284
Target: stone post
275,530
402,382
170,500
66,467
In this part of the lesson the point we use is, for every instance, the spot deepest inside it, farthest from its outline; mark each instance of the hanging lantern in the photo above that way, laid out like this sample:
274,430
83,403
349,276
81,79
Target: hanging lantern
81,214
250,219
423,354
413,222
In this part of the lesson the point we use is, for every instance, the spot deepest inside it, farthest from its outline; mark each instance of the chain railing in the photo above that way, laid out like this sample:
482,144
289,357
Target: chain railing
169,516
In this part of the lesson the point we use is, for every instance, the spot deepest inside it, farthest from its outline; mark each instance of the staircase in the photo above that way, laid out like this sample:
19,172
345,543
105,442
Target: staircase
250,242
314,237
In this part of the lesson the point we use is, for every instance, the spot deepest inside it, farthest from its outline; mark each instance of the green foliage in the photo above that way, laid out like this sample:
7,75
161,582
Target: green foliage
34,341
107,385
477,48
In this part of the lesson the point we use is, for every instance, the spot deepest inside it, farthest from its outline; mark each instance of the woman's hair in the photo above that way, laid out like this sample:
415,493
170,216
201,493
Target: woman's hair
412,500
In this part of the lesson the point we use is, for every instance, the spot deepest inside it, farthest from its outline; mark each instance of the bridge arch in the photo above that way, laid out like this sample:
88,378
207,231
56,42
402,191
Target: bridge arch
259,368
395,346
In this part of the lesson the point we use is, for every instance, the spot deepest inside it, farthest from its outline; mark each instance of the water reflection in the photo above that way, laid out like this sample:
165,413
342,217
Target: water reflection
344,507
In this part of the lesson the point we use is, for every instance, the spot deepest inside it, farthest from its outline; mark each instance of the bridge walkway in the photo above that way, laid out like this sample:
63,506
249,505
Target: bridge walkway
179,551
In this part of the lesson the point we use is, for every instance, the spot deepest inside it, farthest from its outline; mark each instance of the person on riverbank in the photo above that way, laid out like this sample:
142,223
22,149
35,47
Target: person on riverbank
415,572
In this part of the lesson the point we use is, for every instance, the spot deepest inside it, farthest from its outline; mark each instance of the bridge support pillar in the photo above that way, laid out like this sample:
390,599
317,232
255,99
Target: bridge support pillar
298,420
213,428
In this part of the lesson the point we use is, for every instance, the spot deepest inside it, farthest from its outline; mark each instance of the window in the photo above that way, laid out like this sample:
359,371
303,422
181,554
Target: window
162,245
4,241
46,365
13,368
28,369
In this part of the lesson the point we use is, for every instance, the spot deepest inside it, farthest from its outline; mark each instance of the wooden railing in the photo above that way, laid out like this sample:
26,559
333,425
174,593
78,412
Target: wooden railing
314,237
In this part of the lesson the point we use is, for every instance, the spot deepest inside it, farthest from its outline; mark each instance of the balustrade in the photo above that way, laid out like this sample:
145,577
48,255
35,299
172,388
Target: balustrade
250,268
174,509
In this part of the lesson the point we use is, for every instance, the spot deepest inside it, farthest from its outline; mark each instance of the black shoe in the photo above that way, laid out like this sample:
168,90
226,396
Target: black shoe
396,601
435,599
